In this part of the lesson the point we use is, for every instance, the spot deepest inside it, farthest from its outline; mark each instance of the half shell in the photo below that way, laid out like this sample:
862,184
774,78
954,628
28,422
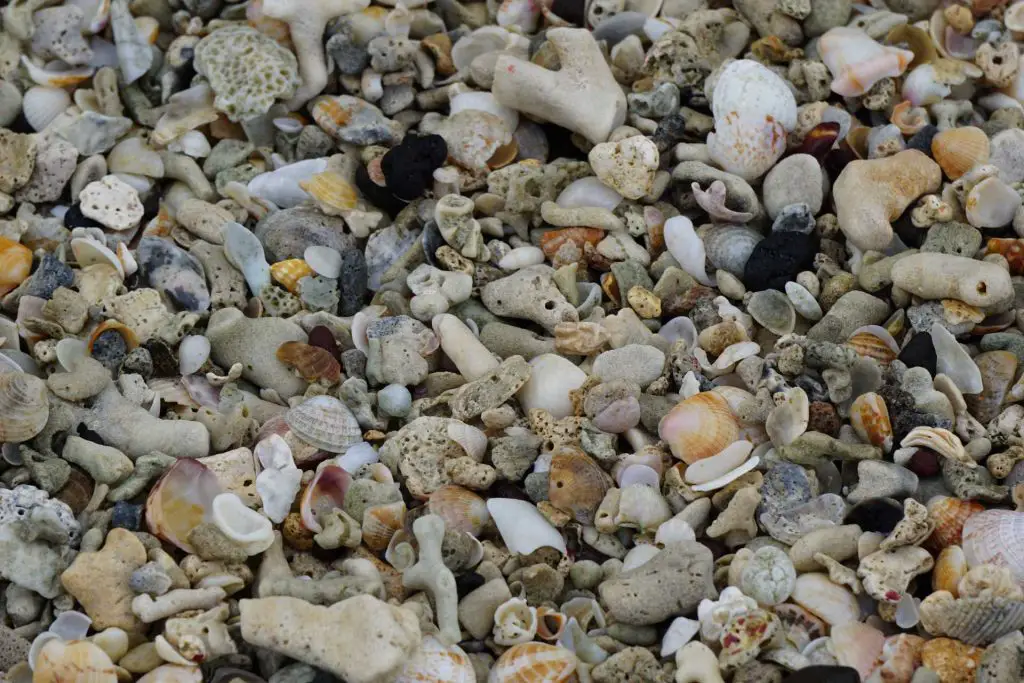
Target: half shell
460,508
79,661
24,406
311,362
577,484
958,150
993,537
380,523
699,427
180,501
949,515
975,621
323,494
324,422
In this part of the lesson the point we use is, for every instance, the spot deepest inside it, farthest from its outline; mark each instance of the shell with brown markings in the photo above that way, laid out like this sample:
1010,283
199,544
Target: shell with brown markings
577,484
79,661
380,523
534,663
699,427
460,508
311,362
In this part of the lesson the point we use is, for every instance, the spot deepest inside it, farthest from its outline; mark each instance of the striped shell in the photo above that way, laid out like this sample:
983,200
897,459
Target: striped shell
699,427
460,508
42,104
993,537
380,523
875,342
15,264
437,663
79,661
869,417
324,422
331,192
975,621
728,247
577,484
311,362
288,273
949,515
958,150
24,406
534,663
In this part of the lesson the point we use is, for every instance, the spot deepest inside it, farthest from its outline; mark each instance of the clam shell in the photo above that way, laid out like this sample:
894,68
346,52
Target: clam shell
949,515
869,417
975,621
460,508
42,104
324,493
324,422
173,673
437,663
288,273
79,661
950,567
332,193
857,62
728,247
24,406
772,310
942,441
15,264
958,150
875,342
380,523
993,537
311,362
534,663
699,427
180,501
248,528
577,484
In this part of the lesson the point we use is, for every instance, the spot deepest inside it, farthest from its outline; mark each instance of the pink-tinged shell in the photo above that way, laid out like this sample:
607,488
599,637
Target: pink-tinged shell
858,646
460,508
699,427
534,663
949,516
857,62
180,501
994,537
437,663
869,417
381,522
325,493
76,662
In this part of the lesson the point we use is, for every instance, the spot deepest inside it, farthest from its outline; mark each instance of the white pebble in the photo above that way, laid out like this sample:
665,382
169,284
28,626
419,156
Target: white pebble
521,257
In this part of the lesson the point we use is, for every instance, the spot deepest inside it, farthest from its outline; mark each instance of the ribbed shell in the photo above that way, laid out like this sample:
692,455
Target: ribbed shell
533,663
324,422
380,523
958,150
699,427
975,621
728,247
311,362
994,537
871,345
331,191
24,406
78,662
288,273
437,663
15,264
949,515
460,508
577,484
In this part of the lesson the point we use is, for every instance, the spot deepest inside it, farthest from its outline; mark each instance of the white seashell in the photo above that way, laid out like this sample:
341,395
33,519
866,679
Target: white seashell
480,42
325,261
639,555
708,469
789,418
954,362
133,155
687,248
281,187
173,673
857,62
472,440
69,351
523,529
193,352
193,143
485,101
575,639
71,625
56,78
104,53
356,456
993,537
638,475
42,104
803,301
140,183
277,489
679,633
729,477
245,252
128,263
754,109
727,360
586,192
246,527
274,453
521,257
89,252
678,328
991,204
641,507
675,530
551,379
515,622
922,87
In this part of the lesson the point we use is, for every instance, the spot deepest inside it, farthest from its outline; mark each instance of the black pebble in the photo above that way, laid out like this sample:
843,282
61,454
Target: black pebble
469,582
878,514
74,218
380,197
165,362
353,282
570,10
922,139
920,353
409,167
778,258
126,516
110,349
823,674
670,130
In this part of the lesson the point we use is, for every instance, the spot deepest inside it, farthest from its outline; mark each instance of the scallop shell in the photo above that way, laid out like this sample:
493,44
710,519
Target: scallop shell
436,662
324,422
699,427
534,663
869,417
577,484
857,62
180,501
728,247
949,516
993,537
874,341
380,523
41,105
460,508
79,661
129,336
288,273
958,150
332,193
950,567
975,621
15,264
324,493
772,310
24,406
311,362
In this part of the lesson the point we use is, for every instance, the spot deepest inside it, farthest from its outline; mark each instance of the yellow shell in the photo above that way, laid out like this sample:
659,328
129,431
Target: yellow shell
288,273
534,663
15,264
869,417
958,150
949,514
699,427
870,345
78,661
460,508
950,567
332,193
24,406
437,663
577,484
380,523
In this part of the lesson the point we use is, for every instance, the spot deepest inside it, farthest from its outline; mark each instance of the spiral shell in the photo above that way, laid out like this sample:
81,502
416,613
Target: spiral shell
437,663
699,427
332,193
460,508
869,417
550,623
324,422
534,663
79,661
311,362
958,150
380,523
15,264
975,621
949,515
577,484
728,247
288,273
24,406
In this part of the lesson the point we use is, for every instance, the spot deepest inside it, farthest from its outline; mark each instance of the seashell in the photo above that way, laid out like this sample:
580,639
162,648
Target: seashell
24,406
954,362
857,62
958,150
15,264
708,469
79,661
679,328
790,417
311,362
728,247
919,42
942,441
485,101
324,422
550,623
460,508
577,484
857,646
331,192
282,187
908,118
950,567
993,537
687,248
436,662
133,155
975,621
193,352
826,600
249,529
641,507
874,341
288,273
380,522
991,203
699,427
949,516
503,156
729,477
588,192
515,622
869,417
193,143
111,325
772,310
324,493
181,500
56,78
89,251
173,673
470,439
534,662
522,527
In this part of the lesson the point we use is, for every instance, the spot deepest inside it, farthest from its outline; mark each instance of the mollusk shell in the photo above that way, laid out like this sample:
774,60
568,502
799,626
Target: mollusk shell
288,273
869,417
857,62
380,523
331,192
42,104
127,333
993,537
728,247
460,508
15,264
180,501
699,427
577,484
550,623
534,663
311,362
324,493
958,150
975,621
437,663
79,661
874,341
324,422
950,567
949,515
24,406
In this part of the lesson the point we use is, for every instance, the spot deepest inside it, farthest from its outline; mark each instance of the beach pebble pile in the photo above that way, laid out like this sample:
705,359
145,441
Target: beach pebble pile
532,341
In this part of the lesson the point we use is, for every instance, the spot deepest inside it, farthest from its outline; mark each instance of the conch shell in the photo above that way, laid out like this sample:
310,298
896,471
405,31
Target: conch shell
857,62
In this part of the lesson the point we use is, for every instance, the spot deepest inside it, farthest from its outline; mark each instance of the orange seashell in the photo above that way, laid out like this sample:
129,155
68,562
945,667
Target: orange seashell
908,118
15,264
381,522
1012,249
874,343
534,663
504,155
460,508
288,273
950,567
869,417
958,150
79,661
577,484
331,192
561,243
312,362
699,427
949,514
953,661
126,333
180,501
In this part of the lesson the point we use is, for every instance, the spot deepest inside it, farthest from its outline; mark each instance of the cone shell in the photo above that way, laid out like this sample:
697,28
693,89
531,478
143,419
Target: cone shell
949,515
380,523
874,342
15,264
331,192
950,567
994,537
958,150
180,501
975,621
460,508
127,333
577,484
324,422
288,273
869,417
534,663
324,493
438,663
24,406
311,362
78,661
699,427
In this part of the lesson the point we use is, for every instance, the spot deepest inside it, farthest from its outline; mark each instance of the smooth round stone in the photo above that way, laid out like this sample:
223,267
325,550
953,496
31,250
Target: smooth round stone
551,379
325,261
394,399
619,416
